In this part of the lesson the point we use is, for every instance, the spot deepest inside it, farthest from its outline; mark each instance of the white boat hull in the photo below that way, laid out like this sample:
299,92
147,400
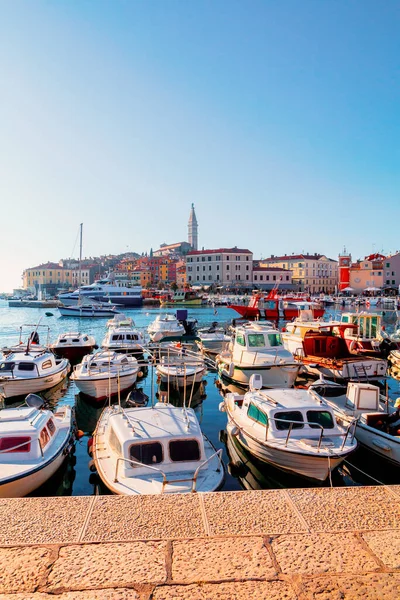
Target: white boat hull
104,387
275,376
13,387
309,466
179,377
25,485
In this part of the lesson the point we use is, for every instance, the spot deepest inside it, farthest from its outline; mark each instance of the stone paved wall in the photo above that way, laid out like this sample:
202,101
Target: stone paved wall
321,544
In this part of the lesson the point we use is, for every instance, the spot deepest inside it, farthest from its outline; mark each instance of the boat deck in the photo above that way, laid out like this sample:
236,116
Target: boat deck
295,544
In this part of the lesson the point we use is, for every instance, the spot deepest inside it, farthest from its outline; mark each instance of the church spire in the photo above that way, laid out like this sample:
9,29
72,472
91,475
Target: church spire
192,229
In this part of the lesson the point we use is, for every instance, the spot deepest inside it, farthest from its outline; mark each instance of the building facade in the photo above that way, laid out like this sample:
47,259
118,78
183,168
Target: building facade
367,274
266,278
230,267
50,278
313,273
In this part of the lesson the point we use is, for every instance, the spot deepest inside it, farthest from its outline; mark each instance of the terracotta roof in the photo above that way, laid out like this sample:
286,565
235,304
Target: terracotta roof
48,265
270,269
220,251
289,257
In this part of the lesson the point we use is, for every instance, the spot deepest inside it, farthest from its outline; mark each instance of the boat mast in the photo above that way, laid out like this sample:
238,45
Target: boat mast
80,265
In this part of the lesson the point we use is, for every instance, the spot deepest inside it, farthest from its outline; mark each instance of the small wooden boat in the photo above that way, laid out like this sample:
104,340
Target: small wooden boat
155,450
34,443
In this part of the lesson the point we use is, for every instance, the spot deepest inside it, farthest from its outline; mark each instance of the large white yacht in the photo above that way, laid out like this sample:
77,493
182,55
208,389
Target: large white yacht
109,289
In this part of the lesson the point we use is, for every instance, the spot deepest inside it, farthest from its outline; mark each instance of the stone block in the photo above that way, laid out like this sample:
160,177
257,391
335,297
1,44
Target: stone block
42,520
322,553
377,586
217,559
385,545
122,518
347,509
90,566
250,513
245,590
104,594
23,569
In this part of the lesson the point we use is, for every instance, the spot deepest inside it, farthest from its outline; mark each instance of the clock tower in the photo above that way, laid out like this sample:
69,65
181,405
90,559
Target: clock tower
344,270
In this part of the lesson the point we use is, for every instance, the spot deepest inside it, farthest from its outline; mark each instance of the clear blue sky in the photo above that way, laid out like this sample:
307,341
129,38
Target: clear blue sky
280,120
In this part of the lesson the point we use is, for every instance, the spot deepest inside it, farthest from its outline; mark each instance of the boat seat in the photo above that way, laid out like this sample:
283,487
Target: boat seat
373,419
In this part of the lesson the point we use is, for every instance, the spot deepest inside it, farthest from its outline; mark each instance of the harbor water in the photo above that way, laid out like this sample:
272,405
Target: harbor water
242,472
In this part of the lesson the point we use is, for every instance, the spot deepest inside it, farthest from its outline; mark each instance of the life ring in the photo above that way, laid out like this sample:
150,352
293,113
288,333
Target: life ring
354,347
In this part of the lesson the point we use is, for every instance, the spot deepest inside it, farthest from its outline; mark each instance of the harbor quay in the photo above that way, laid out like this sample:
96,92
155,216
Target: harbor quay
293,544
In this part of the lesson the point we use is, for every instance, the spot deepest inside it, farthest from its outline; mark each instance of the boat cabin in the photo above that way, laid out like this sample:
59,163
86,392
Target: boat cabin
281,410
26,365
364,325
72,339
161,437
256,338
25,433
324,340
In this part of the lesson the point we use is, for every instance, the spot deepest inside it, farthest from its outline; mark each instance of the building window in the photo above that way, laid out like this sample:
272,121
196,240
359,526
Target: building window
204,268
203,259
247,277
255,277
267,277
217,267
209,258
227,267
247,267
261,277
209,268
217,277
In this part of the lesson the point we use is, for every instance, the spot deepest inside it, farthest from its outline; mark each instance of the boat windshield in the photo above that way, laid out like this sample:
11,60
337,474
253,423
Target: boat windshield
149,453
274,339
320,417
7,366
256,340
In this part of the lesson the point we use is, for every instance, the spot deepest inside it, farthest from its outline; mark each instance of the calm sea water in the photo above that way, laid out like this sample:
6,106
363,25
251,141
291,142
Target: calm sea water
243,471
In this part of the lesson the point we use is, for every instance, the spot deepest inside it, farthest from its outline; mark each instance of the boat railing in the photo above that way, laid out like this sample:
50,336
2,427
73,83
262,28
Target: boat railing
167,481
14,448
313,425
196,473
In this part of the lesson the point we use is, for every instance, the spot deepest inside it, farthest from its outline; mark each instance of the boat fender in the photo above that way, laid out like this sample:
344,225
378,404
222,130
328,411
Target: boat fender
90,446
235,431
381,445
221,407
79,434
231,370
92,466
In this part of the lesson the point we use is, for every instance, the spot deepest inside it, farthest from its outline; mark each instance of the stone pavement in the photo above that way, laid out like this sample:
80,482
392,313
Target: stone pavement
297,544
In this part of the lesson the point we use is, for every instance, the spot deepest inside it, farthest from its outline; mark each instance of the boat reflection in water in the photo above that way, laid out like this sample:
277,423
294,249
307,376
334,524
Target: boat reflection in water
254,474
192,396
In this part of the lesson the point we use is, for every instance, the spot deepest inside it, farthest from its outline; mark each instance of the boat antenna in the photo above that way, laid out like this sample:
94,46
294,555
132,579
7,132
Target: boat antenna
80,263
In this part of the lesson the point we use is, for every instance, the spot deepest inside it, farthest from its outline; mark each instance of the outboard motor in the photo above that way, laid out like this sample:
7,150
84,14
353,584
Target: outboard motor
35,401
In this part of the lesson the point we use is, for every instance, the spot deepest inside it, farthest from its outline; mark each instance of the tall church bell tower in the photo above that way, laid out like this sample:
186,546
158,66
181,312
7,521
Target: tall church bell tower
192,229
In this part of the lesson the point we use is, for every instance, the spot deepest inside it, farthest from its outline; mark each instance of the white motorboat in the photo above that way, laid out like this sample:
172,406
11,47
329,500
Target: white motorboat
320,347
364,402
30,371
165,326
155,450
292,429
105,374
258,349
34,443
122,336
179,370
88,311
73,345
212,340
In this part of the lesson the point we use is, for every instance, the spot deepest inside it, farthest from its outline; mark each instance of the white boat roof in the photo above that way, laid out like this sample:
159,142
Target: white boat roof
287,399
164,421
19,420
